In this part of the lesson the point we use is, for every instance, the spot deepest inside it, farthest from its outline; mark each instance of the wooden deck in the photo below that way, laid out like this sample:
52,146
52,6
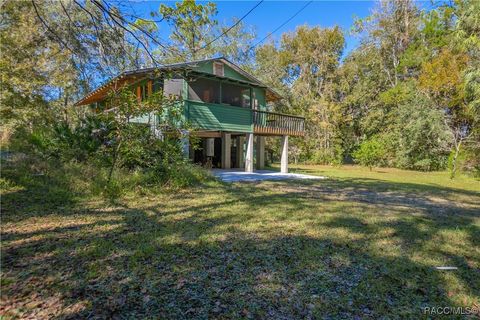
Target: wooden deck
273,123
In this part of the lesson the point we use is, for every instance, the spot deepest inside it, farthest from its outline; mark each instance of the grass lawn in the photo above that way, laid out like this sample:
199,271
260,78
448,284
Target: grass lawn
358,245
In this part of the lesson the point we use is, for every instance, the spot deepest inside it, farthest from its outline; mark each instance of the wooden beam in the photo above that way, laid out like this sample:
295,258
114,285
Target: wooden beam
149,87
277,132
207,134
139,94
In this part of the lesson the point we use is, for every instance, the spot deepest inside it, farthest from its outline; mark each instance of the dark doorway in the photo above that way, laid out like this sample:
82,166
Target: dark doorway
217,158
200,155
233,153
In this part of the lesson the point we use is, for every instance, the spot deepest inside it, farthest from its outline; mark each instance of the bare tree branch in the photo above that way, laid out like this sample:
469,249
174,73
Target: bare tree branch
112,16
148,34
44,23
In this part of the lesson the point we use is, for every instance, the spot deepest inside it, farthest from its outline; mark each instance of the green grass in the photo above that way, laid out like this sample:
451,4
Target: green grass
428,179
359,244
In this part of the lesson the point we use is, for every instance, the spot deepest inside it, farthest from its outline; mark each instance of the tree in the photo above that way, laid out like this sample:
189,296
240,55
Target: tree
391,28
197,34
420,138
467,39
31,66
303,69
442,79
371,153
413,70
63,49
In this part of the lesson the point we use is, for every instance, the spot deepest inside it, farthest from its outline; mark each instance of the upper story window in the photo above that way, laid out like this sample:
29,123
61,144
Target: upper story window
157,85
218,69
235,95
205,90
173,86
144,90
214,91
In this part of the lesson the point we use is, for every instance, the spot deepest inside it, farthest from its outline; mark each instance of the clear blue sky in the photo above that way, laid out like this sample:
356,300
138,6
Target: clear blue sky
271,14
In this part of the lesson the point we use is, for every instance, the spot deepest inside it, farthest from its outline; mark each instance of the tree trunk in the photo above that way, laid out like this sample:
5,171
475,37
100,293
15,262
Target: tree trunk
114,162
454,162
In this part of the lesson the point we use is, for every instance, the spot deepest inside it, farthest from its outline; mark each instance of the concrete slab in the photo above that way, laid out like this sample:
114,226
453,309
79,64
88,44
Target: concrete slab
235,175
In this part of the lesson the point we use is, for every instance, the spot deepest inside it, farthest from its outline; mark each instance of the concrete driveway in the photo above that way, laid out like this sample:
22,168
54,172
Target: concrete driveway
235,175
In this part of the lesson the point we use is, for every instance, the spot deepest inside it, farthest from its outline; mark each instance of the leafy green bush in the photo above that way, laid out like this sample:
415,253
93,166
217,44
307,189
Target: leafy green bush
105,153
81,141
468,161
371,153
62,141
332,156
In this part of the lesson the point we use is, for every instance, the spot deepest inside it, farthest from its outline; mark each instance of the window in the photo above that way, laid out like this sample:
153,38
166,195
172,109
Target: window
205,90
218,69
235,95
173,87
143,91
157,85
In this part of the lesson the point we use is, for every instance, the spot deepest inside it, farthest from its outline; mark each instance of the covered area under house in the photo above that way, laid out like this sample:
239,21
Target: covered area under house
229,150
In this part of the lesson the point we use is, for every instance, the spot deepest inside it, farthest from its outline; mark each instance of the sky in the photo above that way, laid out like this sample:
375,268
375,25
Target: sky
271,14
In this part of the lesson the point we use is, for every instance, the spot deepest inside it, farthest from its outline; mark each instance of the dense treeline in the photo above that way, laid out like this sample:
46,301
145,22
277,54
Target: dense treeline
408,96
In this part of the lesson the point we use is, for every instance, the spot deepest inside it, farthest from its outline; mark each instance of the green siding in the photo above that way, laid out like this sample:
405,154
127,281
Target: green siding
228,72
208,116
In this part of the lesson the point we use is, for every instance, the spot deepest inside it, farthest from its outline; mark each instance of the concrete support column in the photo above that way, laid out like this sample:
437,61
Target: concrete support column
260,152
240,151
284,159
209,152
156,132
209,147
249,156
226,150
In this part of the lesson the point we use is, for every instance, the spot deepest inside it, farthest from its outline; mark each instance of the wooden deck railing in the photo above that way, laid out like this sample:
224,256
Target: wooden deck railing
277,123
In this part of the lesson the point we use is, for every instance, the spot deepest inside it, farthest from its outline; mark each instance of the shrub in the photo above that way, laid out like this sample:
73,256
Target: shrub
371,153
468,161
61,141
114,155
81,141
332,156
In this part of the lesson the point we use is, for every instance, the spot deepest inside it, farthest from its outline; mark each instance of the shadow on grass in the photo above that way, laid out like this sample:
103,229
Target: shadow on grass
425,186
220,252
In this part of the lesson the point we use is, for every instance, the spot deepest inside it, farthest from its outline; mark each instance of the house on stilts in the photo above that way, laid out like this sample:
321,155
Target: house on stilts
226,106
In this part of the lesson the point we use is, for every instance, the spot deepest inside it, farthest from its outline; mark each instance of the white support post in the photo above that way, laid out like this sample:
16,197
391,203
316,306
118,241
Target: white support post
157,133
284,159
209,152
226,150
249,157
240,151
209,147
260,152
